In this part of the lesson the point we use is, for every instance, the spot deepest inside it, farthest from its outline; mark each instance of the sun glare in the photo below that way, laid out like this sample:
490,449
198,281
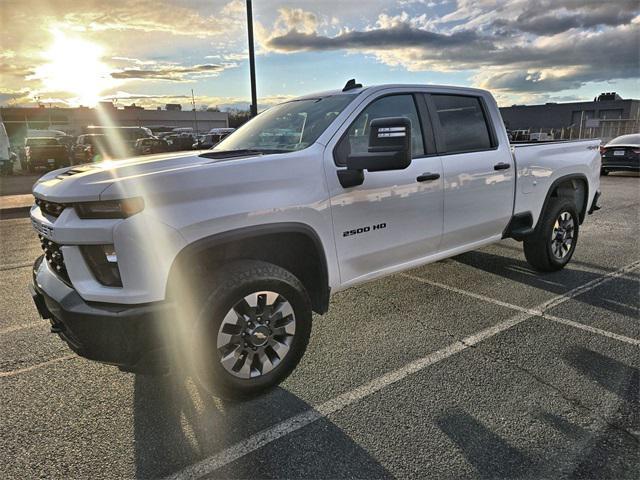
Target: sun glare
73,65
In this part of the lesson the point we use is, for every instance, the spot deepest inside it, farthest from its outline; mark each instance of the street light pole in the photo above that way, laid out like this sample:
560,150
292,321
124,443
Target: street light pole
252,61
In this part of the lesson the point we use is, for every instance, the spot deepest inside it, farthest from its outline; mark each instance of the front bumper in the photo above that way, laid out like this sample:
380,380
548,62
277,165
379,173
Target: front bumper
132,337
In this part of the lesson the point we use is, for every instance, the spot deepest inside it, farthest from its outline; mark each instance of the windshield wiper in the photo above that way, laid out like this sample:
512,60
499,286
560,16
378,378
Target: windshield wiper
240,152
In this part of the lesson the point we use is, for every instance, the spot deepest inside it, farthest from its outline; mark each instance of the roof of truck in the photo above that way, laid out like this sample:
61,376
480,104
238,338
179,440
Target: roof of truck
372,88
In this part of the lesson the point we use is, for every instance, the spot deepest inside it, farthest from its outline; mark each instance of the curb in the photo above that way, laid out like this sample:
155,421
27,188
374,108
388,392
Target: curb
15,212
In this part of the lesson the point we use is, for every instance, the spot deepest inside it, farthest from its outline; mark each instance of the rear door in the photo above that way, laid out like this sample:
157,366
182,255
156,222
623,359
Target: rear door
479,174
394,217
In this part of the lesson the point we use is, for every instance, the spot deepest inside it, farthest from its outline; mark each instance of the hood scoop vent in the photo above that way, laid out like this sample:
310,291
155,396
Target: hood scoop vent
75,171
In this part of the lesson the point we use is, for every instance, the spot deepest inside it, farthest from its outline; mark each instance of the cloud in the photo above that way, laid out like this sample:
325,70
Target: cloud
400,35
535,47
173,73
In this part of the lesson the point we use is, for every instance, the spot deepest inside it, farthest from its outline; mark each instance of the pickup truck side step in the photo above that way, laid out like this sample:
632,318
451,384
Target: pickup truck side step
520,226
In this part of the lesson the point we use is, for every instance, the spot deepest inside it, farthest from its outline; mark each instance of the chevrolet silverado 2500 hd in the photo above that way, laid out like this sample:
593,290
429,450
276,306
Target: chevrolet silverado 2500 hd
222,255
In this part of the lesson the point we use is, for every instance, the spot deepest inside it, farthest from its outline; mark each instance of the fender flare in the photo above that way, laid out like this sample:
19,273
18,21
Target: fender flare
558,181
254,231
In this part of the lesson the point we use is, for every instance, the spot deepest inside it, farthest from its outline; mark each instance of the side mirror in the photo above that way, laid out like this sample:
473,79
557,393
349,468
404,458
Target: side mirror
389,146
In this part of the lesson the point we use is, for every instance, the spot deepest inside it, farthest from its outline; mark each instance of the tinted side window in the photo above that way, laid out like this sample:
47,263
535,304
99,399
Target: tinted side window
357,138
463,123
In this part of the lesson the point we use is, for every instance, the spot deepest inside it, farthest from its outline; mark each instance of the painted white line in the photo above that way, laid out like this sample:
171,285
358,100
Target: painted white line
35,367
598,331
478,296
301,420
22,326
264,437
541,312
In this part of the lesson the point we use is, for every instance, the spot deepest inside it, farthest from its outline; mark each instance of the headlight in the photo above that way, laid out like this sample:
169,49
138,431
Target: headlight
110,208
103,262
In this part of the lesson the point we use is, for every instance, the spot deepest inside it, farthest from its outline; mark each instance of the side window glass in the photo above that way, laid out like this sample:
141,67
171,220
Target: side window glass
357,138
463,123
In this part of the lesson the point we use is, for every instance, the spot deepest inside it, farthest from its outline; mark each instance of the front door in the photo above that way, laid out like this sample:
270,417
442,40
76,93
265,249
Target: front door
394,217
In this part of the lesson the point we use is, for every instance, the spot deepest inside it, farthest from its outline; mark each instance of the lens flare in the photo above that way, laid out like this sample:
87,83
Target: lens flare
74,65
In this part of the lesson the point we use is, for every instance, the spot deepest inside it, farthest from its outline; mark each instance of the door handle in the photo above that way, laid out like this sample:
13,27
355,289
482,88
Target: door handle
501,166
425,177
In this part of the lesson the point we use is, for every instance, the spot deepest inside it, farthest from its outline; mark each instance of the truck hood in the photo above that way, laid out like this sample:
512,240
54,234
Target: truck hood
87,182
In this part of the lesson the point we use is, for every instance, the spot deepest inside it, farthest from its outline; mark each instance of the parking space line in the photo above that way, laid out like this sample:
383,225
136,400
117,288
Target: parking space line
622,273
13,373
598,331
292,424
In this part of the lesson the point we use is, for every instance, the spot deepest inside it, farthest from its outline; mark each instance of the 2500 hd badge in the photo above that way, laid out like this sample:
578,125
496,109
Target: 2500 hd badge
356,231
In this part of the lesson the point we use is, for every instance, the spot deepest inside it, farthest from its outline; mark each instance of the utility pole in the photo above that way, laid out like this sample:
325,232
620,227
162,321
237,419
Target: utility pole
252,61
195,113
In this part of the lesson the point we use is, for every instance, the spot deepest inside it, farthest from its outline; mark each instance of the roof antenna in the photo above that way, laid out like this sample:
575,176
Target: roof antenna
351,84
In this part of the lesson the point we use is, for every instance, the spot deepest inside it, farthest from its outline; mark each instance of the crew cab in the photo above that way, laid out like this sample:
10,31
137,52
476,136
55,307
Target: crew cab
216,259
45,152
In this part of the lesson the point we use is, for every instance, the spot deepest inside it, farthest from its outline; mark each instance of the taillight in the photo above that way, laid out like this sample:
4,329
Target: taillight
602,150
636,151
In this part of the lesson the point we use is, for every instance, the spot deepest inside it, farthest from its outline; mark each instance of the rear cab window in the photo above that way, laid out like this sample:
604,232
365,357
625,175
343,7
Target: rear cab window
464,125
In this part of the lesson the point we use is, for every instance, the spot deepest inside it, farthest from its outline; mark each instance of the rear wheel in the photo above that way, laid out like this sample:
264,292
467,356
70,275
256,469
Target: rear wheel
253,329
552,244
604,172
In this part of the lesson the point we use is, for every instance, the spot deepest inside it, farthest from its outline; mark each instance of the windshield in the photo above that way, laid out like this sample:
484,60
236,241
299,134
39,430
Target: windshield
287,127
626,140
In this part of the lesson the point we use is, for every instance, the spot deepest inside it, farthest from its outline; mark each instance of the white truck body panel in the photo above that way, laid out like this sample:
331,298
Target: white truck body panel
189,197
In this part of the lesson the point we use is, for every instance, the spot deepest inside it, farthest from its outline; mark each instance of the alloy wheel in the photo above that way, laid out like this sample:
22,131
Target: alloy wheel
562,235
256,334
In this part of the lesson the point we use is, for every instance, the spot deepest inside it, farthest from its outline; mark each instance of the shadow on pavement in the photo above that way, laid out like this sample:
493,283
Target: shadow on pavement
558,282
489,454
614,376
177,423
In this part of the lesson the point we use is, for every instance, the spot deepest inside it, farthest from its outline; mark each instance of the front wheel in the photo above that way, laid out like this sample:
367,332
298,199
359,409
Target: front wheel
253,329
552,244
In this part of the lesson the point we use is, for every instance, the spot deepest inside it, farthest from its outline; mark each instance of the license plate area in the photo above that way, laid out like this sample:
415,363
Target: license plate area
618,153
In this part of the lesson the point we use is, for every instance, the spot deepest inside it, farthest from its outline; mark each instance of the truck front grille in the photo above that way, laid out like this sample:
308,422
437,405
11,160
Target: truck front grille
53,255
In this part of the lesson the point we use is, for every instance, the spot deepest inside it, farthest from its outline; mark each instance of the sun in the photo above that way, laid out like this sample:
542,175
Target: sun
74,66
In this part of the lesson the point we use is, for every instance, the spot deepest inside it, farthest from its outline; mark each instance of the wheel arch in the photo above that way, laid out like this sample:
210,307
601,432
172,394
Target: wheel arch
574,186
293,246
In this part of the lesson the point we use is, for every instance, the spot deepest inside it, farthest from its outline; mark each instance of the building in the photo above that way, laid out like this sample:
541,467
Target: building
74,121
607,116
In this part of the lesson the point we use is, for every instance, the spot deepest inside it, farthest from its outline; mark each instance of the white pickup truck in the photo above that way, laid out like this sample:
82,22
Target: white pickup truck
216,259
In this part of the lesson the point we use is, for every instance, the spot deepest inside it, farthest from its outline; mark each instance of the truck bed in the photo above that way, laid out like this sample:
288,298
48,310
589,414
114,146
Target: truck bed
540,164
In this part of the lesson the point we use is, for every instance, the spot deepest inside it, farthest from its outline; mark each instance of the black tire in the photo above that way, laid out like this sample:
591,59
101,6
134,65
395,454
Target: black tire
538,249
604,172
231,284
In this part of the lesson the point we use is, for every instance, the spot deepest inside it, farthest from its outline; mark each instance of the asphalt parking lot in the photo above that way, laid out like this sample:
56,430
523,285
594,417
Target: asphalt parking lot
471,367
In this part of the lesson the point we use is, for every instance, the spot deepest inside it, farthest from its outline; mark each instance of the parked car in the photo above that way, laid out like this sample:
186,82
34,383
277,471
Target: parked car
179,142
45,152
120,141
7,157
91,147
211,139
218,258
622,154
145,146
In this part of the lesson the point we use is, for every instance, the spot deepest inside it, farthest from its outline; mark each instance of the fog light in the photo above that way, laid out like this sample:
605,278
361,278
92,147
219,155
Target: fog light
103,263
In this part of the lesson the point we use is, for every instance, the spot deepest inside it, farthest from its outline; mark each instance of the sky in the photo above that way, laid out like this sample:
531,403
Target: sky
153,52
